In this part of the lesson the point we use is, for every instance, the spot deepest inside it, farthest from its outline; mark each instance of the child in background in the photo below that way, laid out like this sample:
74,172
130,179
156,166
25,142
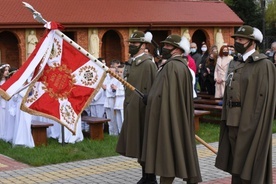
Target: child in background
11,108
119,98
110,101
4,74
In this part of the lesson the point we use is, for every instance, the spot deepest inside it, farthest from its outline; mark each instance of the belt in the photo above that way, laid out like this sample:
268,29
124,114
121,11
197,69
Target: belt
233,104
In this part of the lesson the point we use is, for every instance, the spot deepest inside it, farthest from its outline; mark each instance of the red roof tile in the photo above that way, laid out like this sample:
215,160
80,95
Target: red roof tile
100,13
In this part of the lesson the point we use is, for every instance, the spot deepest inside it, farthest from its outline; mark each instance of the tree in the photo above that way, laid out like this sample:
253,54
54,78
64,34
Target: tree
271,17
248,10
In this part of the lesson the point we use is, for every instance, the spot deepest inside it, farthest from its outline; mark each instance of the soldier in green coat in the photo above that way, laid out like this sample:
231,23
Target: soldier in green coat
140,72
248,109
169,148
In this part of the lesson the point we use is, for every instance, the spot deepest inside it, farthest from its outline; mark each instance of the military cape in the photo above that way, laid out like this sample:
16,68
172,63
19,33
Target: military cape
140,73
169,148
252,159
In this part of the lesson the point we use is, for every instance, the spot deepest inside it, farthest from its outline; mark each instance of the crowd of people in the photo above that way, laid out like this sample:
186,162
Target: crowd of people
158,129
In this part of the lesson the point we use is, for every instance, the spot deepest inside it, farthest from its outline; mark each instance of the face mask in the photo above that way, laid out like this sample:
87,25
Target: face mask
193,50
203,49
225,53
239,47
230,52
133,49
166,53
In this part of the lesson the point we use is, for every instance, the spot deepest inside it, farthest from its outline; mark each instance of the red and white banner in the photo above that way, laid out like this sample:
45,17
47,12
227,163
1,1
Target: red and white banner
67,85
61,80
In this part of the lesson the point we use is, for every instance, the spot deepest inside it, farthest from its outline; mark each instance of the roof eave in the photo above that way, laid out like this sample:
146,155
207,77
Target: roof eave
126,24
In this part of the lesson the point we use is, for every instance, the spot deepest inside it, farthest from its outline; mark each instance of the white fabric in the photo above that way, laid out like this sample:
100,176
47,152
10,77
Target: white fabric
193,82
119,105
22,129
11,108
119,116
2,115
69,137
109,105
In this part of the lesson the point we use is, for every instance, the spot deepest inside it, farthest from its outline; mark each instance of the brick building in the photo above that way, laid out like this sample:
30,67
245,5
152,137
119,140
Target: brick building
113,21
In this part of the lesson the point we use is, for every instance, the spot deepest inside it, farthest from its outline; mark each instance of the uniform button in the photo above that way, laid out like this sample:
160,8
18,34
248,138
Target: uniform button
261,94
233,79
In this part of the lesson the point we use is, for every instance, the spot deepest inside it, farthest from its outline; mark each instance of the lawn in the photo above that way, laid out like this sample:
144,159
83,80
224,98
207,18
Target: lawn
88,149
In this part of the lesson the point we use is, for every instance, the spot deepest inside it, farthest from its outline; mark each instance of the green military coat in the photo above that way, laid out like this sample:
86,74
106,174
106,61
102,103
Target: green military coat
140,73
253,84
169,148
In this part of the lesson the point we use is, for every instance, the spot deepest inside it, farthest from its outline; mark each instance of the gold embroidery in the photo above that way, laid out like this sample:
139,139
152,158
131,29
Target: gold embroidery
67,113
58,81
56,49
33,95
89,75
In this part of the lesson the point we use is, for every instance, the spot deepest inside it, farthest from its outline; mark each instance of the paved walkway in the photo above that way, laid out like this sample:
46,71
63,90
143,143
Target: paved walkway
113,170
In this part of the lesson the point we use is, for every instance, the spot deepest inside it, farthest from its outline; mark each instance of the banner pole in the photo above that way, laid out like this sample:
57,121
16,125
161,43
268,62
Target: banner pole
205,144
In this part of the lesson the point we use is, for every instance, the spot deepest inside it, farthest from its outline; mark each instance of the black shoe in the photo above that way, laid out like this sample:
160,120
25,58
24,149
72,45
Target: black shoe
151,179
143,180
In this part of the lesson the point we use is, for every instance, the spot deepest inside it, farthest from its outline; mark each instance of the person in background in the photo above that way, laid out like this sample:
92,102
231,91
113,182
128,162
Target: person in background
245,143
201,66
140,72
115,63
274,59
271,51
11,108
220,70
231,50
4,74
208,73
214,49
109,103
197,58
97,105
119,98
193,77
191,62
169,148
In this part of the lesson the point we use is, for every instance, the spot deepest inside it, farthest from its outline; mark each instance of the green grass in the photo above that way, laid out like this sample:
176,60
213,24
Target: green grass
56,153
87,149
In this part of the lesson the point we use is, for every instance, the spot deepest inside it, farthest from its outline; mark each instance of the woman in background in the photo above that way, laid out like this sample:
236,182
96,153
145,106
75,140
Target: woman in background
221,70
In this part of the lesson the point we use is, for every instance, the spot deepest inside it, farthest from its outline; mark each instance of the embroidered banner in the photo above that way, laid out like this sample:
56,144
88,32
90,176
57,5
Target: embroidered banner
67,85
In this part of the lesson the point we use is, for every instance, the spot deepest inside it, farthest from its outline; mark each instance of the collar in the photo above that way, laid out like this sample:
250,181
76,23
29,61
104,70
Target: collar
138,56
246,55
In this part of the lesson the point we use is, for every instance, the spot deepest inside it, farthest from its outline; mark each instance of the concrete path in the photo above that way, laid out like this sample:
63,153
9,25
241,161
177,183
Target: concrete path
110,170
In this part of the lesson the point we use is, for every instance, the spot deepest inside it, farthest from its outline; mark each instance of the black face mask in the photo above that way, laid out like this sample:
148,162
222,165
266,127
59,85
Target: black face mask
225,53
133,49
240,47
166,53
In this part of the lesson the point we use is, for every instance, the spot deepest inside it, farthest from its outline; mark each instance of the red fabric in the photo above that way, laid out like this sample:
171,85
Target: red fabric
67,84
192,63
60,83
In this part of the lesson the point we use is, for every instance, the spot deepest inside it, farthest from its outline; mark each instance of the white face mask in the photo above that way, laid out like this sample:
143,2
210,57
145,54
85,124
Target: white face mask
193,50
203,49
